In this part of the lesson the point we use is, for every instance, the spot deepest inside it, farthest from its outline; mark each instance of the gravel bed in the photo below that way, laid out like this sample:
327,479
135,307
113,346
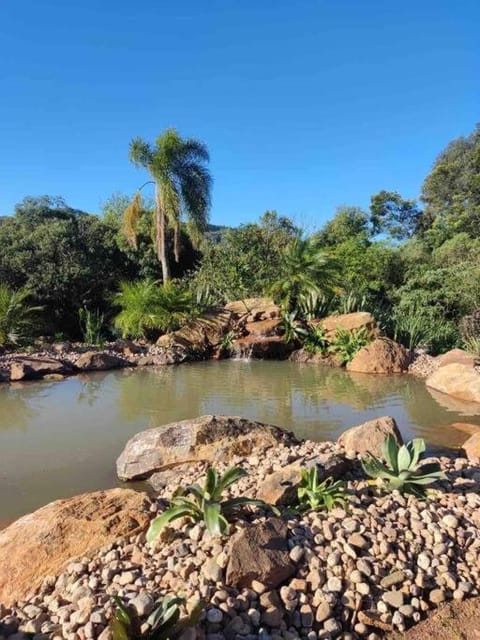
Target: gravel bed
379,564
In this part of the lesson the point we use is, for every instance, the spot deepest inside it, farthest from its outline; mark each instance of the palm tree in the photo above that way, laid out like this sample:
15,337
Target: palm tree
15,314
306,269
182,187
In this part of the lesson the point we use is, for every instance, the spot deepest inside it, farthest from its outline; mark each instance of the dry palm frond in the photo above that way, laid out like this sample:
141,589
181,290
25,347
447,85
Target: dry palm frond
130,219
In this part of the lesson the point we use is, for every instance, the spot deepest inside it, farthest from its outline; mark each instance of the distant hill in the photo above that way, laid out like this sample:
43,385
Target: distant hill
215,232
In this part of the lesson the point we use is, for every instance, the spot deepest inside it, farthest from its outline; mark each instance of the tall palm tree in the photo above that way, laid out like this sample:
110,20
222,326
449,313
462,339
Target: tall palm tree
306,269
182,189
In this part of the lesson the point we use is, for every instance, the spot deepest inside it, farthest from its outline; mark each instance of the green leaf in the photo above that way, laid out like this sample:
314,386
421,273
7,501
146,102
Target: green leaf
211,514
390,452
403,459
162,520
210,484
417,448
231,476
118,629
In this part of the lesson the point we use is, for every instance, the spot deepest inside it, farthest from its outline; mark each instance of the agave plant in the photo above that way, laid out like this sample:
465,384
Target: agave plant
346,343
293,330
206,504
316,340
314,495
402,470
164,622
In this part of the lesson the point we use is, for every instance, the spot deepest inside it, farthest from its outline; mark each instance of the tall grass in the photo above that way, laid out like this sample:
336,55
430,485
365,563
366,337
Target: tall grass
16,315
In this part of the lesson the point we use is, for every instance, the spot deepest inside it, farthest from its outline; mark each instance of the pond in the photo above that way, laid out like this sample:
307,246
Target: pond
62,438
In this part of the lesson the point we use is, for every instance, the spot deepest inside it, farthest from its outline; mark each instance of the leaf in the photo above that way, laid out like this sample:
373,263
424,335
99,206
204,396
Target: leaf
417,448
211,514
118,629
232,475
403,459
210,484
390,452
162,520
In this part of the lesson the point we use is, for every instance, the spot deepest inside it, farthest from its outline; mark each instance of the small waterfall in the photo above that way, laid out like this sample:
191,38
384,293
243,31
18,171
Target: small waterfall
242,350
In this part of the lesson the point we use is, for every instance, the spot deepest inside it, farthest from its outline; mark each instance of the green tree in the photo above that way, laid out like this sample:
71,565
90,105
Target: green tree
347,223
393,215
16,315
182,186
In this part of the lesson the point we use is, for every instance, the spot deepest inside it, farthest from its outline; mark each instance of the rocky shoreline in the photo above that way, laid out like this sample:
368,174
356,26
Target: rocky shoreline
377,566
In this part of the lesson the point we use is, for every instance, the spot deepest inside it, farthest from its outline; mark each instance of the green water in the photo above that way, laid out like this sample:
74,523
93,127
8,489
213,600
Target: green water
61,438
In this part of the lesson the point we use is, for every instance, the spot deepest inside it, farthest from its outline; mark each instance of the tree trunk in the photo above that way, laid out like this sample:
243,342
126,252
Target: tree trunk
160,236
176,241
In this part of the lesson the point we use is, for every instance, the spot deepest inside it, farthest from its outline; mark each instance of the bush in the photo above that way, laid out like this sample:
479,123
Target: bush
16,316
315,341
346,344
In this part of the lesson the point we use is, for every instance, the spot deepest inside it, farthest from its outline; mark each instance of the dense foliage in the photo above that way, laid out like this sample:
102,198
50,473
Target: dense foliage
415,265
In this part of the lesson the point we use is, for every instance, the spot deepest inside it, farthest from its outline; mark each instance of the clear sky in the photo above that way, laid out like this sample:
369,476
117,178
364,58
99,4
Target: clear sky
304,104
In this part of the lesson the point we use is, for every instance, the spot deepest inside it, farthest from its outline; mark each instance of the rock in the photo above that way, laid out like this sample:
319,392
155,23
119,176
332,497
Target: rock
394,598
207,438
458,380
471,447
456,356
260,553
451,621
126,347
254,309
350,322
25,368
369,436
160,479
280,487
100,361
272,348
381,356
201,335
465,427
43,542
264,328
394,578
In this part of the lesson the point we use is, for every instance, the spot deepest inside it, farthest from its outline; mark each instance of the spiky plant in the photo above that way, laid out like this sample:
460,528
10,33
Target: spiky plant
147,306
182,187
346,344
316,340
16,316
402,470
314,495
206,503
292,328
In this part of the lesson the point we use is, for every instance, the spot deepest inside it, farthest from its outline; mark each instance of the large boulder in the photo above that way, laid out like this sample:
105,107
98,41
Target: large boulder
350,322
254,309
471,447
26,368
259,552
42,543
456,356
370,436
200,336
207,438
271,348
264,328
280,487
381,356
461,381
100,361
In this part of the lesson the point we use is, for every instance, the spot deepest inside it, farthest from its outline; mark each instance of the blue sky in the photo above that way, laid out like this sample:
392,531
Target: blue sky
304,105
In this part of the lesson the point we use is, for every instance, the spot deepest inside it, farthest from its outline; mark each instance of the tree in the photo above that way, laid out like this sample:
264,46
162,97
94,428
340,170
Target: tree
451,191
182,186
347,222
393,215
305,269
37,209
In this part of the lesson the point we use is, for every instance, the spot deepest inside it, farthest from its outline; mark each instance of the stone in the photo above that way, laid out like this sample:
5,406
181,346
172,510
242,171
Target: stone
456,356
207,438
100,361
471,448
280,487
459,619
259,553
264,328
212,571
394,598
26,368
370,436
43,542
324,611
381,356
394,578
254,309
270,348
461,381
437,596
350,322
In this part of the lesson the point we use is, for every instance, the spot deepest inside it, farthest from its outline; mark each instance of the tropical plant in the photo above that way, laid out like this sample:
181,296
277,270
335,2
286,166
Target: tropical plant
402,470
206,504
314,495
182,186
91,326
472,345
16,316
292,328
226,342
313,305
416,326
164,622
346,343
316,340
305,269
148,307
349,302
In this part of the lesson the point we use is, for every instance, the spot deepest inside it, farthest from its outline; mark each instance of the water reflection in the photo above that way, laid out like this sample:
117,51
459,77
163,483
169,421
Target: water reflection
61,438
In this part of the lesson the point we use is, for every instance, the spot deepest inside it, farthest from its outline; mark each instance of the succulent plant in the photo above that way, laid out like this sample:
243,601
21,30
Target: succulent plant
402,470
314,495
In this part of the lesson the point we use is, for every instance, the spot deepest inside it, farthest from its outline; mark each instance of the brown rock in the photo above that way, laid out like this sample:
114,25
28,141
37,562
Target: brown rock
264,328
472,447
207,438
458,380
259,552
280,487
100,361
254,309
381,356
25,368
41,543
351,322
369,436
271,348
465,427
458,619
373,619
456,356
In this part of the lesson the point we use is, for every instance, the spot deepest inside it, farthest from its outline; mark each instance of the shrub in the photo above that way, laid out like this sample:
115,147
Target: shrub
149,308
164,621
16,316
346,343
402,470
292,328
206,504
314,495
315,340
313,305
415,326
472,345
91,326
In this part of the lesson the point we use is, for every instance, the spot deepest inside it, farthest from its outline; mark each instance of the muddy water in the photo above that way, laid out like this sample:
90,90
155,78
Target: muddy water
62,438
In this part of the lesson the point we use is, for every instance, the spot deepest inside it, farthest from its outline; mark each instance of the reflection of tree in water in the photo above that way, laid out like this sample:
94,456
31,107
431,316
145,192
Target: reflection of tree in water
91,389
15,410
